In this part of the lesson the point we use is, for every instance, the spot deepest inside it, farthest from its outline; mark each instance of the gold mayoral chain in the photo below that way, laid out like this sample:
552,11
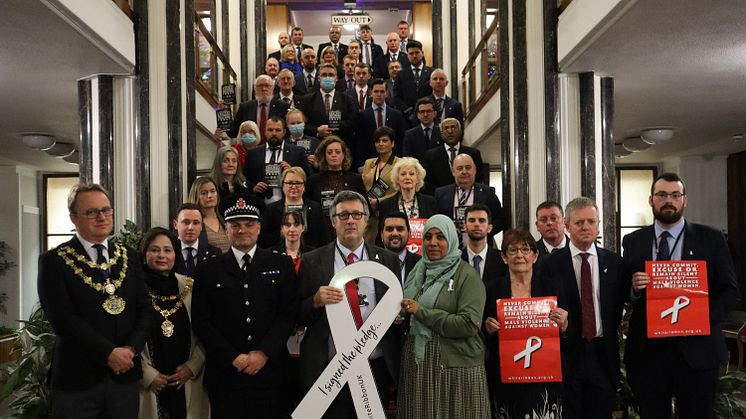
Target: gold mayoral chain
167,326
113,304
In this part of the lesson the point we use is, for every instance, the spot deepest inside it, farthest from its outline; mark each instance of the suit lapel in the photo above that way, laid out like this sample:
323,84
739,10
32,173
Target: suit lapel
603,278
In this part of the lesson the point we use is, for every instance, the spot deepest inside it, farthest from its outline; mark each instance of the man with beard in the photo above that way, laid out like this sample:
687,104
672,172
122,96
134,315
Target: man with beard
486,260
550,223
395,235
259,110
306,81
264,164
686,368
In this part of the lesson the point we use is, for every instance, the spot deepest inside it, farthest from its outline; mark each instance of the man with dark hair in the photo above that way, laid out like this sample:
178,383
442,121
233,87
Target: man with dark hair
394,231
188,226
93,293
348,66
375,116
296,37
349,214
354,49
329,111
370,50
361,94
485,259
402,29
415,78
426,134
335,34
683,368
550,223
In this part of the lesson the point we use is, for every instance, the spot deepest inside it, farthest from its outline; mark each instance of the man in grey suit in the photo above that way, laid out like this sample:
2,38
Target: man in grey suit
349,214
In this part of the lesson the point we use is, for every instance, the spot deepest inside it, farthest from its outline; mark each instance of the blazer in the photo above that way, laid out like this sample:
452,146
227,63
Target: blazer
293,103
255,162
614,289
415,142
542,248
410,91
272,220
375,51
317,269
86,334
700,242
425,203
235,312
410,259
451,109
365,147
312,106
438,167
276,55
247,112
318,183
355,98
341,50
494,266
204,251
484,194
381,64
300,83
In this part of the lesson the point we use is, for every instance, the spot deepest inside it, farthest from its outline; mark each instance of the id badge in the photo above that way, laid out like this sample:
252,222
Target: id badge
272,174
460,216
379,188
327,199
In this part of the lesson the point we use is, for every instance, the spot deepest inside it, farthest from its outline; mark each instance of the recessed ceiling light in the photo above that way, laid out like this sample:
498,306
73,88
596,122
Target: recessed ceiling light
656,135
37,141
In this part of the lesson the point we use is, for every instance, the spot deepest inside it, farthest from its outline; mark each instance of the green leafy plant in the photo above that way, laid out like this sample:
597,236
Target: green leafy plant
730,400
5,265
129,235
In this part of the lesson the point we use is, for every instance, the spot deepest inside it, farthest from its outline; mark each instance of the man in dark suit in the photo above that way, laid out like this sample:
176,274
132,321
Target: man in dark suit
283,39
377,115
335,34
259,110
340,107
425,135
477,252
93,293
414,80
394,232
381,65
346,82
446,106
595,282
402,29
550,223
188,226
453,199
437,161
398,103
264,164
296,37
361,93
306,81
685,368
370,51
349,214
243,310
287,92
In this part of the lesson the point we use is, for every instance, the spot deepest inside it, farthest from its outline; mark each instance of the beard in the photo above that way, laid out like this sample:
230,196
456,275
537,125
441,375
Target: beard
668,217
475,237
396,248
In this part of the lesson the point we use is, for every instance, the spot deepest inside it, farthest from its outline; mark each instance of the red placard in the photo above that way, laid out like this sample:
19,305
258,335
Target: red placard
529,341
416,225
677,298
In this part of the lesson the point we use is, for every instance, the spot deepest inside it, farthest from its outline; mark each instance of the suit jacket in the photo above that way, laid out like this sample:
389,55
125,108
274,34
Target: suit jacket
425,203
614,289
494,266
438,167
364,147
341,50
247,112
294,103
86,334
303,46
408,89
700,242
272,220
410,260
204,251
312,106
235,312
484,194
451,109
300,83
375,51
276,55
542,248
317,269
255,162
381,65
416,144
355,97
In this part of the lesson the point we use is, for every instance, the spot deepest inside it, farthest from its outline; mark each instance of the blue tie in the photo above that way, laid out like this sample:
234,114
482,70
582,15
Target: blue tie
664,253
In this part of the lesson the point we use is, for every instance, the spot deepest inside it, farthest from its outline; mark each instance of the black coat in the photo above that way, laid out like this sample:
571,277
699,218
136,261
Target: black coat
365,147
451,109
381,64
425,203
438,167
312,106
483,194
204,251
255,162
247,112
494,266
410,91
341,50
416,144
272,220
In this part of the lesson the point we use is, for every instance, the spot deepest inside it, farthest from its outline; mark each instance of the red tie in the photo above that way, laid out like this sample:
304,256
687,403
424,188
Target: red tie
362,100
309,83
352,296
586,299
263,120
380,116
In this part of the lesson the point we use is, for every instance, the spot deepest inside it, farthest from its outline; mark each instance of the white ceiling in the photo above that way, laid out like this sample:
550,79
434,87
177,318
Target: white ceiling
679,63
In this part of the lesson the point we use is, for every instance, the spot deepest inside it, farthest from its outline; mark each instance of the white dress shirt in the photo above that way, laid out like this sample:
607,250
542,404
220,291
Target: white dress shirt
577,261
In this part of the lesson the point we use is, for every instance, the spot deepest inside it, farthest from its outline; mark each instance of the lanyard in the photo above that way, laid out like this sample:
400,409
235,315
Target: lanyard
462,200
676,242
344,258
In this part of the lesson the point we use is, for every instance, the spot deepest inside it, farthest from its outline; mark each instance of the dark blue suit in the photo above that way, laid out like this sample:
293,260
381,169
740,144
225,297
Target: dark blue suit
381,65
365,147
483,194
416,144
255,162
410,91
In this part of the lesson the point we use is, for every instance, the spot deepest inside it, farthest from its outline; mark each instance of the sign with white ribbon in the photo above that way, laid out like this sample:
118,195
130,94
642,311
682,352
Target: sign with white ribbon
526,334
677,299
350,365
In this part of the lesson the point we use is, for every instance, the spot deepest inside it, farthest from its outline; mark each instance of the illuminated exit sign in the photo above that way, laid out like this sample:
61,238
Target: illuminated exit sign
339,20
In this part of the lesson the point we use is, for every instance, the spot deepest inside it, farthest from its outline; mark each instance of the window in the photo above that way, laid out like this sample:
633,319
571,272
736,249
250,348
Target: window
632,203
57,227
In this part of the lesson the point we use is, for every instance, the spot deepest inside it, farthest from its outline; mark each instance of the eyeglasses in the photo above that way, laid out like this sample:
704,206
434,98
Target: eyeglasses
93,213
294,184
512,251
344,216
544,220
662,196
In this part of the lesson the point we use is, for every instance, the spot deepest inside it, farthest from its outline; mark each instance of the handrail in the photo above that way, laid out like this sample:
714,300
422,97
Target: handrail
209,89
480,78
214,45
480,46
125,6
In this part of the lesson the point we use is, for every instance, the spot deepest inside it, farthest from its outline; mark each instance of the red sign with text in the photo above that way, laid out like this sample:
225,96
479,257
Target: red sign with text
529,341
677,298
416,225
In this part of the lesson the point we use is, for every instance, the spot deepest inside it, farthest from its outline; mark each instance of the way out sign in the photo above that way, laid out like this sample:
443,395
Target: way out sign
339,20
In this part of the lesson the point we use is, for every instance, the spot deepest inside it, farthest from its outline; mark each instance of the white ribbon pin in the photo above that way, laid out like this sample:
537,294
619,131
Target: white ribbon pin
678,304
532,345
350,365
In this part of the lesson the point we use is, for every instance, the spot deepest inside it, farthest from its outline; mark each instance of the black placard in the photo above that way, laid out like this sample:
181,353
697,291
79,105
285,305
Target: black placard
225,119
228,93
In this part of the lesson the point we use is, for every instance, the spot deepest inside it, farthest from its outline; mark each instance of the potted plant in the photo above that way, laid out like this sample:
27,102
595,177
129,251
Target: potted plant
7,334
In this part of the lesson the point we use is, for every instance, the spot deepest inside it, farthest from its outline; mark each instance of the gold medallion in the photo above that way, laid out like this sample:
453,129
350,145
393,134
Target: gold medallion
114,305
110,288
168,328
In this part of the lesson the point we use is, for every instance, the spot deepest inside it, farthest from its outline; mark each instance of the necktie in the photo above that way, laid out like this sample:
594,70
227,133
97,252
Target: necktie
380,116
100,258
328,103
336,48
300,51
403,45
286,100
462,197
439,106
452,151
361,100
189,262
263,120
427,134
366,57
417,77
586,299
350,84
477,262
273,157
309,83
664,253
246,262
352,296
554,250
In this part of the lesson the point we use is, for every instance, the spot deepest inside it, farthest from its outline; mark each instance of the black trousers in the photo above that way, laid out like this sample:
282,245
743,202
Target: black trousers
247,403
662,374
106,400
589,390
343,407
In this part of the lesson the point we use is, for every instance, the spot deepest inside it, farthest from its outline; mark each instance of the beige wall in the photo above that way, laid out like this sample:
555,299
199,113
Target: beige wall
422,23
278,20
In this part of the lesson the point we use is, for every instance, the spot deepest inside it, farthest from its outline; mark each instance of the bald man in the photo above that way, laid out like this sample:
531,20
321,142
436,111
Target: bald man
283,39
392,53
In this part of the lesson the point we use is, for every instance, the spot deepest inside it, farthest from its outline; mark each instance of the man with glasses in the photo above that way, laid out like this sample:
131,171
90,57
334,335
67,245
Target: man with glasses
685,368
93,293
243,310
550,223
425,135
260,110
438,161
597,283
349,215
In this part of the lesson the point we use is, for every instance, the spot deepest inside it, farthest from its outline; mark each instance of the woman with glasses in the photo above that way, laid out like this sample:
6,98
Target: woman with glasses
293,182
204,192
377,176
442,368
172,360
227,173
519,400
409,178
289,60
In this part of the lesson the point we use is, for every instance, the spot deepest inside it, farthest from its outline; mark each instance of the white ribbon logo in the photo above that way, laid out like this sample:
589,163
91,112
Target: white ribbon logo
350,364
678,304
532,345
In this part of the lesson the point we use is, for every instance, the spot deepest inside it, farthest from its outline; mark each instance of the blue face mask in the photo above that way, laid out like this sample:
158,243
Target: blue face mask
248,138
296,130
327,83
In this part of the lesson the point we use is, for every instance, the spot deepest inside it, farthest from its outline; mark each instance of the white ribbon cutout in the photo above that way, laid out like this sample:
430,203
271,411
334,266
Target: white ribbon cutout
678,304
532,345
350,364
